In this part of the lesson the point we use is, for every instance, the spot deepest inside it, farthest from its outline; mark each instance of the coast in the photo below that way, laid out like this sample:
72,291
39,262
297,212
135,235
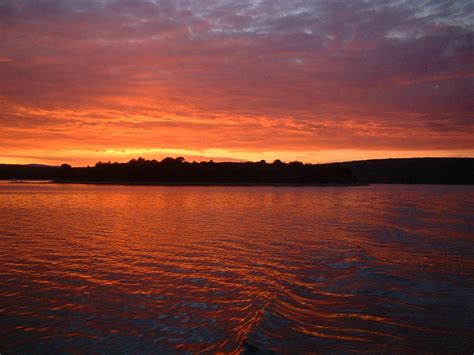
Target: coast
178,183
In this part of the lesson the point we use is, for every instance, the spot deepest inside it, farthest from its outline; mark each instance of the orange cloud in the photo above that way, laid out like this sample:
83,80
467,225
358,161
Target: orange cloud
87,81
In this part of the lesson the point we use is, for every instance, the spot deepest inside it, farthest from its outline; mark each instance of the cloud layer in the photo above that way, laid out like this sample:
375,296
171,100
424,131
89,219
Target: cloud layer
236,77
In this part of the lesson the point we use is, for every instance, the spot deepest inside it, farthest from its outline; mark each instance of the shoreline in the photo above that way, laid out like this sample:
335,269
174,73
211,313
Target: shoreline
177,183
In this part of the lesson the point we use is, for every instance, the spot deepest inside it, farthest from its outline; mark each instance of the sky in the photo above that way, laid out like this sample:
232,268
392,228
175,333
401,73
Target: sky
314,81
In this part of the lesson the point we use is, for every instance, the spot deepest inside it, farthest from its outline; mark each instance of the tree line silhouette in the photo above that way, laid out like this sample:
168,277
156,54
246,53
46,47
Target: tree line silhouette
178,170
171,170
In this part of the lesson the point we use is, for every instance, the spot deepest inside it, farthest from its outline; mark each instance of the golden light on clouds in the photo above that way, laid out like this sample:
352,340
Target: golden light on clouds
115,80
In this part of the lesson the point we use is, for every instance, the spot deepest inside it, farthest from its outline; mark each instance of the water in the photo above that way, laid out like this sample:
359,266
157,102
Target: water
236,269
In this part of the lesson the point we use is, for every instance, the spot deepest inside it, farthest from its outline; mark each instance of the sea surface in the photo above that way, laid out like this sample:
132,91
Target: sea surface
156,269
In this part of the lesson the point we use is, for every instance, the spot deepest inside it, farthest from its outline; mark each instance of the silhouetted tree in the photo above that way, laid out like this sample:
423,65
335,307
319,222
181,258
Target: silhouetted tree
416,170
168,161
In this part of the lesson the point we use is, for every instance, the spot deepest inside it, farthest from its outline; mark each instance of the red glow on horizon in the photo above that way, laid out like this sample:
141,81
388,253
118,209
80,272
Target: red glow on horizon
113,81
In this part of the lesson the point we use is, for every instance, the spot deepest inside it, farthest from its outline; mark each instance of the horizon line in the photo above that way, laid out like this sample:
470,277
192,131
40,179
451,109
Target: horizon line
235,161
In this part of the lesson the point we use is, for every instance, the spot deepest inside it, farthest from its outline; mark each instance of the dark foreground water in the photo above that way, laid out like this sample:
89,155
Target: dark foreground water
236,269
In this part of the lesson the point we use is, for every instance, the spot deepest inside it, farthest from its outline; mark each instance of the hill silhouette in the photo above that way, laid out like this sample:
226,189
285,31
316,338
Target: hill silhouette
177,170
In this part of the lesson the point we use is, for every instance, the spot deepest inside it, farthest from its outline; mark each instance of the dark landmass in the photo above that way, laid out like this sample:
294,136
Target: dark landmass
177,171
453,171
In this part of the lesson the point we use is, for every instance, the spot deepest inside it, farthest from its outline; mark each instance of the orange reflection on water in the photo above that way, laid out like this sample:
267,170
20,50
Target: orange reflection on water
228,269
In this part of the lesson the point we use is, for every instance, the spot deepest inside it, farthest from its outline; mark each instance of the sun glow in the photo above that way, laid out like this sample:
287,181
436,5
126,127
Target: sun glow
208,85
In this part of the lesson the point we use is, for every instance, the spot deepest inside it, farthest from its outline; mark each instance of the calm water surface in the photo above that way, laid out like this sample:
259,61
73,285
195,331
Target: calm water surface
236,269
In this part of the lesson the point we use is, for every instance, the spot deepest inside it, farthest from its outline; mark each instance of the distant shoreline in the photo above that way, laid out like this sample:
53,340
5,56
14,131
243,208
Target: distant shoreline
178,172
210,184
176,183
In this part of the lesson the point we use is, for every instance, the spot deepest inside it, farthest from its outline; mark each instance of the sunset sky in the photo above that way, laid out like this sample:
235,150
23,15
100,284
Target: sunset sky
315,81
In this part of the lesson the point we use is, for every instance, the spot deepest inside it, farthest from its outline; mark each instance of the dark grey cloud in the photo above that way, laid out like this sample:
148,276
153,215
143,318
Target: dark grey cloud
386,64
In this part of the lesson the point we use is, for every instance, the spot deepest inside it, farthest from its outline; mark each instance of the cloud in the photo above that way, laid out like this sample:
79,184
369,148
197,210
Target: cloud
255,75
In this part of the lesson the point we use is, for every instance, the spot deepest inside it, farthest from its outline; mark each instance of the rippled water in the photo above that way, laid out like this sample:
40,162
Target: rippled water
236,269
